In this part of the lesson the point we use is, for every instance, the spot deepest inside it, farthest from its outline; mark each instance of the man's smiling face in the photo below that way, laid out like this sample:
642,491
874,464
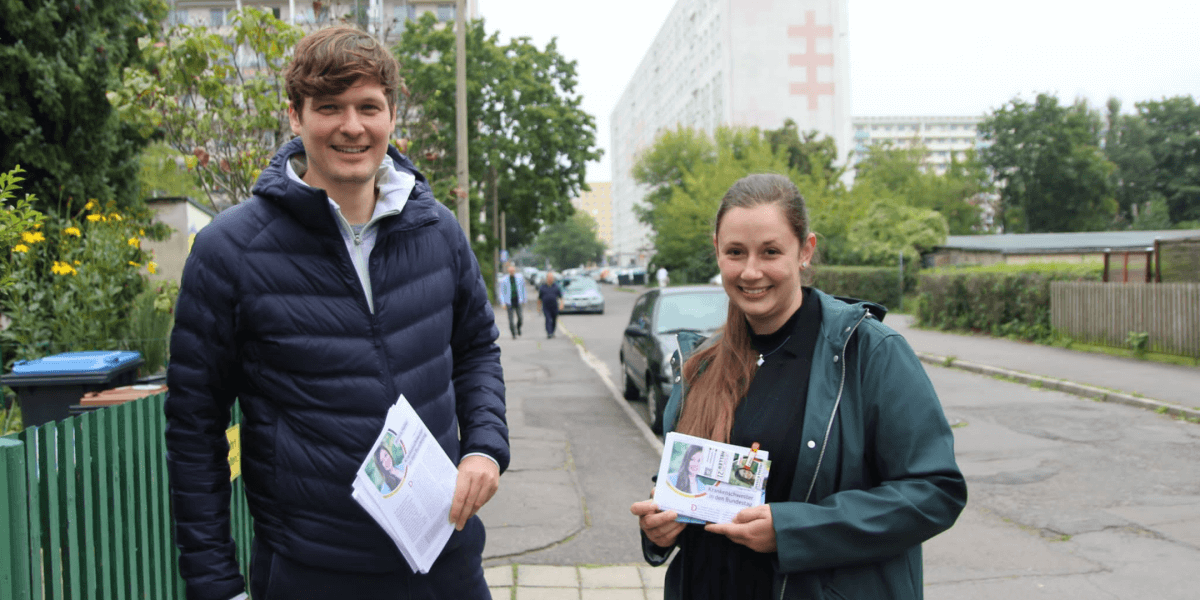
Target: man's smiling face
345,136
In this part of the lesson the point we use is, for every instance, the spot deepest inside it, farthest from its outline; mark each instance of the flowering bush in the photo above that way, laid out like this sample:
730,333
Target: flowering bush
72,280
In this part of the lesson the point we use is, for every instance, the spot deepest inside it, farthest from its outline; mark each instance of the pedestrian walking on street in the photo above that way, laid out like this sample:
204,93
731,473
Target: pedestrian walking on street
550,301
863,469
281,310
512,296
664,279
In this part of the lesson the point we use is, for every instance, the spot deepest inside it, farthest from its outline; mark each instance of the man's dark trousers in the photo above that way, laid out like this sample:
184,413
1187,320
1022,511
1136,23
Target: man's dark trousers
551,312
456,575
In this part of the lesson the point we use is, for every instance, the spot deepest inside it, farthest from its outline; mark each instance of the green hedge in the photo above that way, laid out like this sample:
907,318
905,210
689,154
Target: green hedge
1003,300
876,284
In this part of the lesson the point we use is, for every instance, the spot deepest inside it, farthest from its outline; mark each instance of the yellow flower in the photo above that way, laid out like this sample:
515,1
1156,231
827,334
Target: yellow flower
115,217
77,263
152,267
136,243
142,232
73,231
133,264
20,248
94,218
32,237
90,205
61,268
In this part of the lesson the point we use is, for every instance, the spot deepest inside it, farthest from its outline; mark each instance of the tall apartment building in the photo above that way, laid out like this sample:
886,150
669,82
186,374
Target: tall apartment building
942,137
730,62
384,18
598,205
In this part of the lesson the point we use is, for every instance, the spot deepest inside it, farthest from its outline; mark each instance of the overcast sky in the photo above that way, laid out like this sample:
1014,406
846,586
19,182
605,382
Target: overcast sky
919,57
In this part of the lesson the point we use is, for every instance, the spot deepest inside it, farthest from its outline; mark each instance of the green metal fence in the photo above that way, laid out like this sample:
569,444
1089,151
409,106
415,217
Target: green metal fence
85,509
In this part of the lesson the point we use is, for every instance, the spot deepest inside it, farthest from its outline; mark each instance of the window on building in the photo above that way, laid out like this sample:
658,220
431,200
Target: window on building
178,17
445,12
216,17
276,12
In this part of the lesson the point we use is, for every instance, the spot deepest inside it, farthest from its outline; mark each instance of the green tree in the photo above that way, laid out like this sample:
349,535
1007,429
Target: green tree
528,138
59,60
1125,144
1050,171
891,228
162,176
902,174
570,243
665,165
1173,139
219,101
809,153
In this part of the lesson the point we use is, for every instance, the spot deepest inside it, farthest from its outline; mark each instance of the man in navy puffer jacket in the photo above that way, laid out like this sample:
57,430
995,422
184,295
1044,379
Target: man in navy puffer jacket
339,286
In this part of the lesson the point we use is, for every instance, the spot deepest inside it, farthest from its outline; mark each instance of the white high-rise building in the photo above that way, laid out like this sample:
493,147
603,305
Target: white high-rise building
730,62
942,137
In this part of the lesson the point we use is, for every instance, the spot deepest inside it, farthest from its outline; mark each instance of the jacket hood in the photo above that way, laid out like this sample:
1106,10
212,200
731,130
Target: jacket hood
310,206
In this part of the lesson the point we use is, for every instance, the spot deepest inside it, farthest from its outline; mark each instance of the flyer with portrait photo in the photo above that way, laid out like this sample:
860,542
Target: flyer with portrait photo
710,482
407,484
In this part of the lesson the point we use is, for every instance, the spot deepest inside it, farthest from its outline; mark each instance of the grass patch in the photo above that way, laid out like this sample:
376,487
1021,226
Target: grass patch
1158,357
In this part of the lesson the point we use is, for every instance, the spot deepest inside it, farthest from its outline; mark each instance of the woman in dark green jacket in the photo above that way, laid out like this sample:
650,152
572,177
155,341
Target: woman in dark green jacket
863,468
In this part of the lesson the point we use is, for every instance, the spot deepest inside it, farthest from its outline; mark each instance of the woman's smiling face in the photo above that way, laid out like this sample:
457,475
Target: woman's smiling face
760,259
695,464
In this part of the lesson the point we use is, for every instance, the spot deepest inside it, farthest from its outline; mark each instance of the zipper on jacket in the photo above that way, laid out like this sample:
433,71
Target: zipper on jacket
828,428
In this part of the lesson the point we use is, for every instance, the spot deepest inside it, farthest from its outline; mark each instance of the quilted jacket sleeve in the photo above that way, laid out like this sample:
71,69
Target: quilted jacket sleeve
478,378
920,491
201,380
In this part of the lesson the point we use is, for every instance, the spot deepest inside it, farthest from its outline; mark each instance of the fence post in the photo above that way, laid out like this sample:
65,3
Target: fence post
14,521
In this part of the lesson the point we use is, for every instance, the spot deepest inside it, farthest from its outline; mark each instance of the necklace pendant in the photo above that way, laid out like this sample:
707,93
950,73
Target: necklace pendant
761,360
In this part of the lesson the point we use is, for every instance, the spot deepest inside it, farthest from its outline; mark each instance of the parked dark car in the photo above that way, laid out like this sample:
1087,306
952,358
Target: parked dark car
650,341
581,294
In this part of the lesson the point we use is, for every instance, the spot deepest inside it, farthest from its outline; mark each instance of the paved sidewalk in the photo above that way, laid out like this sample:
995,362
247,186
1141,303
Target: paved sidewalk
1138,379
582,582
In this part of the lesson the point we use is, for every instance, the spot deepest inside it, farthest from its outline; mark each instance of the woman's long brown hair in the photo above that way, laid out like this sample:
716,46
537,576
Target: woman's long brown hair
719,374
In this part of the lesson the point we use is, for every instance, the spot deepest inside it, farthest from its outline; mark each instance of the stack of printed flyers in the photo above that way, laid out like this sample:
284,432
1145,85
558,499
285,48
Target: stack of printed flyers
407,484
710,482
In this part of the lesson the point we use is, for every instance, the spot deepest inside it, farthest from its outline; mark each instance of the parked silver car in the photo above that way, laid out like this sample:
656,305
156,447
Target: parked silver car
650,341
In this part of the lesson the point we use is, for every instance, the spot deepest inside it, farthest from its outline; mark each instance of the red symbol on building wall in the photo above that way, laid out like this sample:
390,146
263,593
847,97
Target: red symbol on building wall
810,60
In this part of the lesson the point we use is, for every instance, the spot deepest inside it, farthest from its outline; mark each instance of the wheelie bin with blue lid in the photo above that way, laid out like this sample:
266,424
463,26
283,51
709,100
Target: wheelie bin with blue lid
47,387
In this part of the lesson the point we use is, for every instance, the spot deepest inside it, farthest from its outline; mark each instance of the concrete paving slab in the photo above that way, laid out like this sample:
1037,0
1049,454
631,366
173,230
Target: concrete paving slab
547,576
614,594
547,593
501,593
653,577
498,576
610,577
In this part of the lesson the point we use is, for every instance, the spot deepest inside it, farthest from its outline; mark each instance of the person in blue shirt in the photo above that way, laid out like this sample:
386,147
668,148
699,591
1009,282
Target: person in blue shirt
512,296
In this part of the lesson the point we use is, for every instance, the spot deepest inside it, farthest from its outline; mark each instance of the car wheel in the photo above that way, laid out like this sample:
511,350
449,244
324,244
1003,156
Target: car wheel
631,391
655,403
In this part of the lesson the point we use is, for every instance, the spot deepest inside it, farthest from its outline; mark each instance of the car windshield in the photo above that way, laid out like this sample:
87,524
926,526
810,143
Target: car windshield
700,311
579,284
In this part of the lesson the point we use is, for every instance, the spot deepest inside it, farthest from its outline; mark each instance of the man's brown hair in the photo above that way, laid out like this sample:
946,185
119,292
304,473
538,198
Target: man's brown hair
330,61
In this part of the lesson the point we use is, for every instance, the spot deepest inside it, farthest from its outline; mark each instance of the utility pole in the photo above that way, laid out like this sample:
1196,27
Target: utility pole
460,101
